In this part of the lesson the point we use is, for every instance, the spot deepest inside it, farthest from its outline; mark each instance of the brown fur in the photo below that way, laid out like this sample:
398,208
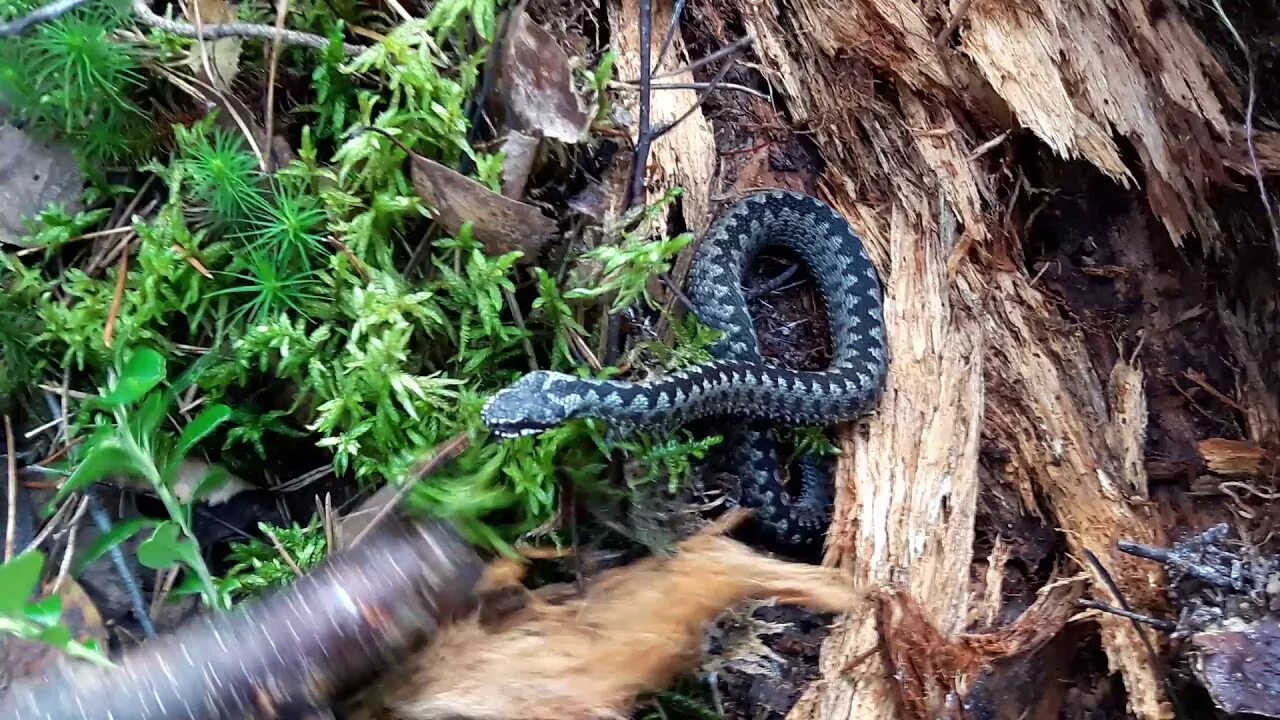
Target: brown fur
633,630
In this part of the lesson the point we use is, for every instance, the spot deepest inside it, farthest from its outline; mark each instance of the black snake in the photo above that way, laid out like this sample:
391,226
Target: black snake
739,383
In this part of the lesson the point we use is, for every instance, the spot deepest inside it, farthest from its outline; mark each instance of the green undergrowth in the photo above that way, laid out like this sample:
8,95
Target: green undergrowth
289,298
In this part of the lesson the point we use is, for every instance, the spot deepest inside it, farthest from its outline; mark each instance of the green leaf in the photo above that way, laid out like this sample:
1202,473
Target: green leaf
147,418
18,579
118,534
143,371
55,635
166,547
46,612
202,425
106,456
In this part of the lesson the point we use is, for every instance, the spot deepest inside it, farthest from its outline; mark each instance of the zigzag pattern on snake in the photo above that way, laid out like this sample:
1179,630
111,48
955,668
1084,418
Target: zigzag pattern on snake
739,383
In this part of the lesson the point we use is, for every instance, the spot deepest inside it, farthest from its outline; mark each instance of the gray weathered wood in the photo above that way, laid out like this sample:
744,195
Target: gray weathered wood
321,637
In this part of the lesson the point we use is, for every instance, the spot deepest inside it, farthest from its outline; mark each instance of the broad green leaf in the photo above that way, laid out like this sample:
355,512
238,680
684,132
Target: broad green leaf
105,457
18,579
55,635
146,419
46,612
143,371
166,547
203,424
118,534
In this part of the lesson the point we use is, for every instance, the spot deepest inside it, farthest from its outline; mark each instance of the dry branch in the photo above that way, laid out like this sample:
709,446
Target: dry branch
323,635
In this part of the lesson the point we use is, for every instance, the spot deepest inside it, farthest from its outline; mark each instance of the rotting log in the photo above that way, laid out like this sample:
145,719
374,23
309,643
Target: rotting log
921,112
321,637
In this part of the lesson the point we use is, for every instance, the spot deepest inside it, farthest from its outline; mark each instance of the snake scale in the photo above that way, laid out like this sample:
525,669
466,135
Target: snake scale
739,383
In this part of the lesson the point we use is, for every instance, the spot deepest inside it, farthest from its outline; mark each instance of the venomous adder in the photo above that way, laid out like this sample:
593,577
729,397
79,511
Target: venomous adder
739,383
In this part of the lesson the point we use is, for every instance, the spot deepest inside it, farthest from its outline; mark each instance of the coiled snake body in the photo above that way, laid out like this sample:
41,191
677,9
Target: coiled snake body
739,383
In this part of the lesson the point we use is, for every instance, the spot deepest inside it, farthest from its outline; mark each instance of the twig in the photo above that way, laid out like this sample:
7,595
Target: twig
645,139
11,529
1253,158
1248,122
519,318
148,16
702,97
269,116
1156,623
108,332
1110,583
676,11
445,453
74,527
774,283
691,86
288,559
49,527
733,48
52,11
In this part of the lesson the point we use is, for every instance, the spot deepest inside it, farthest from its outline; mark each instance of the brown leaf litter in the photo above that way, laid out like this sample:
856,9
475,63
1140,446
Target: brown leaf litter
590,655
536,86
500,223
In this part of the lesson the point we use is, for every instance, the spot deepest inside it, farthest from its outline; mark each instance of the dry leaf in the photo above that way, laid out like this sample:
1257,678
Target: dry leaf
27,660
224,54
519,151
634,630
535,84
499,223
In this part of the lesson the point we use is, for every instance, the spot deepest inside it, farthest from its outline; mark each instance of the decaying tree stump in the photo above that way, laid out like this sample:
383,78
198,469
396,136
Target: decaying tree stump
933,119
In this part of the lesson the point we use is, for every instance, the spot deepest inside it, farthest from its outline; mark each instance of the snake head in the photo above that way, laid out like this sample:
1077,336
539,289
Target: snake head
528,406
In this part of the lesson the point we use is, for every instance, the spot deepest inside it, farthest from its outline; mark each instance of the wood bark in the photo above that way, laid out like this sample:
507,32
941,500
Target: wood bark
915,109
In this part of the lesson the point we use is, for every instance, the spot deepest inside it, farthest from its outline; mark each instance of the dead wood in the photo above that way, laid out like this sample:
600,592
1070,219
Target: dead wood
914,131
329,632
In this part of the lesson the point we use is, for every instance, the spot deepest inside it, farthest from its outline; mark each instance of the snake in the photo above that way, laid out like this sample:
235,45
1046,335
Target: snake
747,393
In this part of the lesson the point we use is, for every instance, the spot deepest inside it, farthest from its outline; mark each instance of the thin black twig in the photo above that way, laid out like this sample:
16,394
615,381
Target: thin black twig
493,63
1253,159
695,86
702,97
1156,623
733,48
47,13
1154,657
676,11
645,139
145,14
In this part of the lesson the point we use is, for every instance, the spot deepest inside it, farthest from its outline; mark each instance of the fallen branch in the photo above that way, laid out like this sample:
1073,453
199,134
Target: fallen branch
322,636
145,14
47,13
